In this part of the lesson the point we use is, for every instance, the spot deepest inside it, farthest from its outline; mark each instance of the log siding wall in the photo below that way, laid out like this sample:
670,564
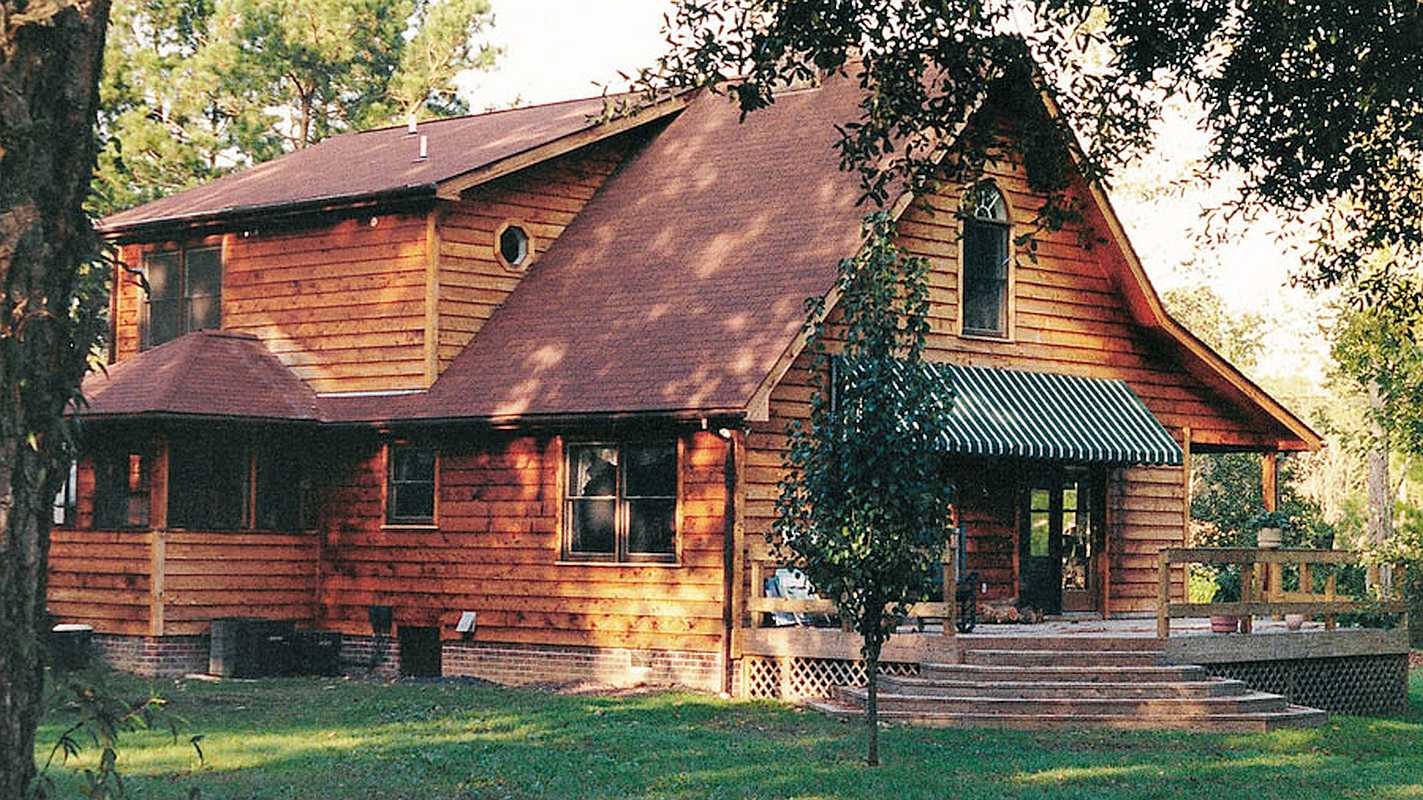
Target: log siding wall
1068,317
495,549
543,200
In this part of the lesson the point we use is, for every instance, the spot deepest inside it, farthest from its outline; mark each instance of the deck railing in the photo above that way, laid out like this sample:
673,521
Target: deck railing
763,562
1260,586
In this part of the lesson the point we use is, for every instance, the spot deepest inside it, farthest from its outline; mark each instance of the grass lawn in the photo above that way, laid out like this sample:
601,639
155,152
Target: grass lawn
319,738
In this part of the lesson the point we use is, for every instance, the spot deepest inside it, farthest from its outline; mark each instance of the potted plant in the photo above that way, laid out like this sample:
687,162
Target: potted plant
1227,582
1269,529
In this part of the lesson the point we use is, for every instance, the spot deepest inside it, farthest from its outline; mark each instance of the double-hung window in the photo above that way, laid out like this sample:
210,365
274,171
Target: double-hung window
621,502
985,289
184,293
410,485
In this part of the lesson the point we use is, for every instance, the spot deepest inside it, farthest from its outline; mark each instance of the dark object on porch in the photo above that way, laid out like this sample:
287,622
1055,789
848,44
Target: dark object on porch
966,595
316,653
250,647
1009,612
70,646
419,652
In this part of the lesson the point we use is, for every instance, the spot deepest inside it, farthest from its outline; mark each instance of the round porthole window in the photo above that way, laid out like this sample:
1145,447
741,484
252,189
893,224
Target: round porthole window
513,246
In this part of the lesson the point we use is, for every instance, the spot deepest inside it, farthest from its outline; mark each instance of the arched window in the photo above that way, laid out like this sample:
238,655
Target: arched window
985,262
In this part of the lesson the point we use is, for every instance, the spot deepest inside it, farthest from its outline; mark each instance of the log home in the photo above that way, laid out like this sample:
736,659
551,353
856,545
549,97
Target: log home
533,371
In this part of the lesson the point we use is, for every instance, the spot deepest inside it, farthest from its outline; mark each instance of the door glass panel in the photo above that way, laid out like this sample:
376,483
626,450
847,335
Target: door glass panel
1076,539
1039,532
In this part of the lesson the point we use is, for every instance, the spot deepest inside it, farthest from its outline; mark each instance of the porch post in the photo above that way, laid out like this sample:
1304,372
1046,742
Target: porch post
1186,487
1269,480
1274,577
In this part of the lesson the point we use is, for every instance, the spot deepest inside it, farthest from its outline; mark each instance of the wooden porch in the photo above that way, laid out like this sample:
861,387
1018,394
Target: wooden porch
1179,632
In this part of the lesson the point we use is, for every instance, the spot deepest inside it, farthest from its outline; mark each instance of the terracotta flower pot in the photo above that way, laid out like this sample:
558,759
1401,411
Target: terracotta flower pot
1294,621
1223,624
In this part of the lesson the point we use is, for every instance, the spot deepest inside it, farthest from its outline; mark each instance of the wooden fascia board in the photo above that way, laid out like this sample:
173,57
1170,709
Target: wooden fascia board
1148,310
452,188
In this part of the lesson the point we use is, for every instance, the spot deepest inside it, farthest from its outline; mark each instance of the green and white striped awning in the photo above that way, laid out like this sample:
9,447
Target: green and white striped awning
1043,415
1008,413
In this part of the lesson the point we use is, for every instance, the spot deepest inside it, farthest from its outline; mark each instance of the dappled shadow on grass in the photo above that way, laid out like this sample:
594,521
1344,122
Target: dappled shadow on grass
316,739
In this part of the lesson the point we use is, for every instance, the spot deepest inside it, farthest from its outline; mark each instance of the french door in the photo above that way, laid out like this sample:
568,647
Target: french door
1059,540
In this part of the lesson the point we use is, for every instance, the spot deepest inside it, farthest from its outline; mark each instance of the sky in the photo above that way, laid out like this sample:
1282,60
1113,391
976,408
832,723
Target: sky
562,49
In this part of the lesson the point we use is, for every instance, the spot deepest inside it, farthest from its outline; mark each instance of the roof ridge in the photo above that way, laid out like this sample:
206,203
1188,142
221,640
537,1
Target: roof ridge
482,114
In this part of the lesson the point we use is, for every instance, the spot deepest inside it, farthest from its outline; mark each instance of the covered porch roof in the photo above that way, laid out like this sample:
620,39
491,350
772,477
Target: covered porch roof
1008,413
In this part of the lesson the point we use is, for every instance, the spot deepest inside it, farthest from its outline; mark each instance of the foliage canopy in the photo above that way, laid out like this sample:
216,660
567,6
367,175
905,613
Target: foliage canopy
1304,102
192,90
863,509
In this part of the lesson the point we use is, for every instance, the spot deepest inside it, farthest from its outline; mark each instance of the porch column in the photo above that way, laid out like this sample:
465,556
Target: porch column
1270,492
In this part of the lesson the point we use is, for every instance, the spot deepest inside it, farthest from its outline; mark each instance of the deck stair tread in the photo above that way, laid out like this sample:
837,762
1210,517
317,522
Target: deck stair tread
1289,716
1085,658
1120,672
1060,643
1175,706
1060,688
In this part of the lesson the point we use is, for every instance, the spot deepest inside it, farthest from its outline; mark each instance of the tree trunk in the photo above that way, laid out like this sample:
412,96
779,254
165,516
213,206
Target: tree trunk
50,57
872,709
1380,524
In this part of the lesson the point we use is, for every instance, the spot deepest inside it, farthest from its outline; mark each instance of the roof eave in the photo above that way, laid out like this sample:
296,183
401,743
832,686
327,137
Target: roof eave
263,212
1159,318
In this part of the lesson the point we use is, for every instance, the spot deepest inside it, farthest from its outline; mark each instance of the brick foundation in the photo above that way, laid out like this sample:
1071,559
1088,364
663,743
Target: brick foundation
516,664
153,657
370,656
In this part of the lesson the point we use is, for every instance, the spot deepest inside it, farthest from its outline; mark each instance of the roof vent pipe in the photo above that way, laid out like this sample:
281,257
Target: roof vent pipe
424,147
410,124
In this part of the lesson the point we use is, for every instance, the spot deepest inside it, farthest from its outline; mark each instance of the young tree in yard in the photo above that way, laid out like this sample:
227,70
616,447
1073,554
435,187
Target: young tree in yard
50,57
195,88
863,509
1303,101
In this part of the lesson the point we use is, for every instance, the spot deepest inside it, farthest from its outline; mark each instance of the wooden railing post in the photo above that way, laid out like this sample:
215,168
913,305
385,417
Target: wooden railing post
1163,594
950,586
757,587
1330,620
1249,592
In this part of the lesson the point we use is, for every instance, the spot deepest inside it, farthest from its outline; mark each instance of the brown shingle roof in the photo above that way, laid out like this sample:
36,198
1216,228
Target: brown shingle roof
680,285
207,373
370,163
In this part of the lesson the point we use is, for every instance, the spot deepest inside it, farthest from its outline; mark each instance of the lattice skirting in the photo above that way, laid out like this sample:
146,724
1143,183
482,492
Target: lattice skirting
796,678
1371,685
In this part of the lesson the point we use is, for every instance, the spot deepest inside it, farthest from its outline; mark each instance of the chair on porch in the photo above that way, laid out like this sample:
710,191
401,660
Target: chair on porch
792,584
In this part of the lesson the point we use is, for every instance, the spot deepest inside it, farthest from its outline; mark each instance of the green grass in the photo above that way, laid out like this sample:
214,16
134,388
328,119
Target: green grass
315,738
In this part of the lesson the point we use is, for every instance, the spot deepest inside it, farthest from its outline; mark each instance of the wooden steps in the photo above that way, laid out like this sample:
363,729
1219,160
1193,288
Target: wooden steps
1091,684
1063,658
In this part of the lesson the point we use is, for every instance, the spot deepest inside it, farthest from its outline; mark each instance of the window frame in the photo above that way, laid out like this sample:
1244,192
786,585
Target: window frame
183,297
144,490
388,488
64,509
530,249
622,504
967,218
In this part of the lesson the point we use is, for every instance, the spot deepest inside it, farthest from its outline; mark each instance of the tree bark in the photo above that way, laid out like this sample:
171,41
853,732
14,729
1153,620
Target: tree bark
51,52
872,709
